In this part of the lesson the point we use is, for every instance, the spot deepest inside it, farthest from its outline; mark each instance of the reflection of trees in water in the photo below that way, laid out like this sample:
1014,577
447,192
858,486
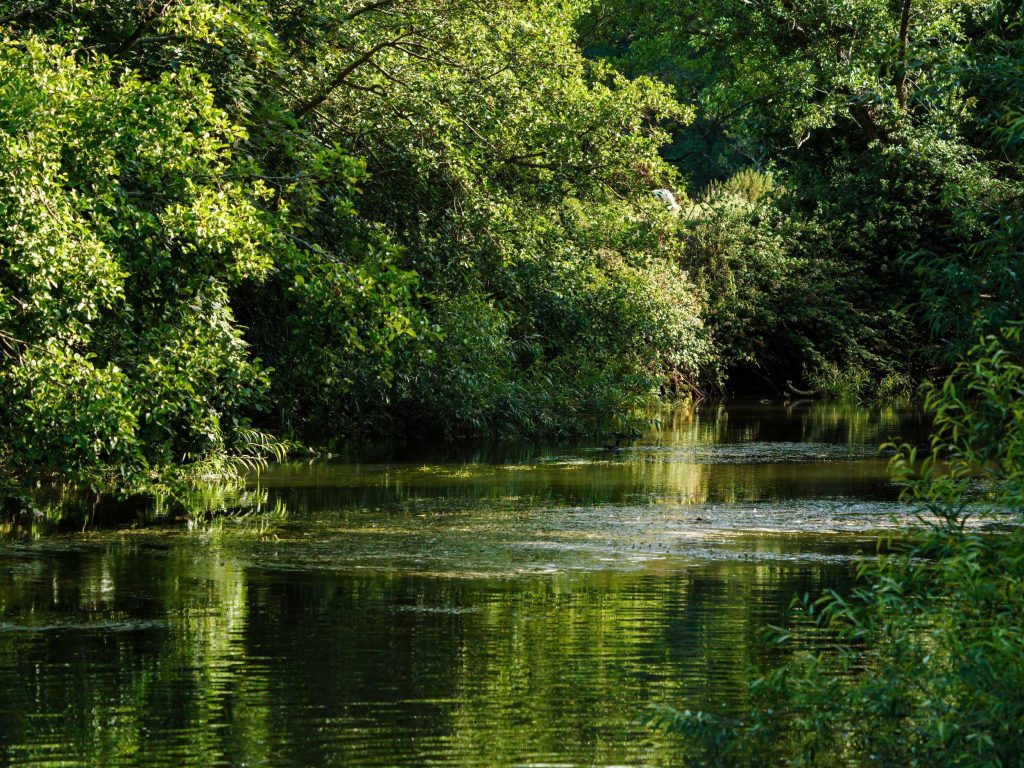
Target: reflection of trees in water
62,510
678,460
134,649
817,421
180,646
717,452
198,659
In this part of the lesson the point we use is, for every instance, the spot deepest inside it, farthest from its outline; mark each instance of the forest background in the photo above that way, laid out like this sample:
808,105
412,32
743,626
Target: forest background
227,225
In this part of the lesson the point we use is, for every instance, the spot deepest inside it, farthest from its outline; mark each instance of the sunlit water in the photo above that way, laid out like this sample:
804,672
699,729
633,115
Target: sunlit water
509,607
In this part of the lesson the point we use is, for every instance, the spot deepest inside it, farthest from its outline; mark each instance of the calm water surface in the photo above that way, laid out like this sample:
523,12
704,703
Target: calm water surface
516,606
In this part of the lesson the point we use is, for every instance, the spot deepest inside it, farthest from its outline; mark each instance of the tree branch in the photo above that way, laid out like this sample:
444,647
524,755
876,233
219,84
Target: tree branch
28,11
154,13
339,79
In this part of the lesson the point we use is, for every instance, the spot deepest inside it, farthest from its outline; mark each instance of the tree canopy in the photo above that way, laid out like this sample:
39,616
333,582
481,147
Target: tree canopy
225,221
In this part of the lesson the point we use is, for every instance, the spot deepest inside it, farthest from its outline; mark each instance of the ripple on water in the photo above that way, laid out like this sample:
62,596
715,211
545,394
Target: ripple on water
106,627
726,453
759,453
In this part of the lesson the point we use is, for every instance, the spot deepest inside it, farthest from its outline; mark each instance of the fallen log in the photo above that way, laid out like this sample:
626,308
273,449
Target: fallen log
802,392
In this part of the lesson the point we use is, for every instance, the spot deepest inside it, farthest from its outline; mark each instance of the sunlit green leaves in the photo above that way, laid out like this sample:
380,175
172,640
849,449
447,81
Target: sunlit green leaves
122,231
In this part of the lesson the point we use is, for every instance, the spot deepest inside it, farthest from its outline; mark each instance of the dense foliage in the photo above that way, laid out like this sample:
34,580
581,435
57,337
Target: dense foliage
872,118
316,219
221,221
319,219
122,237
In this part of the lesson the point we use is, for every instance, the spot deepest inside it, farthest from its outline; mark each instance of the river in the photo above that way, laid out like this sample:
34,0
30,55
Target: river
498,606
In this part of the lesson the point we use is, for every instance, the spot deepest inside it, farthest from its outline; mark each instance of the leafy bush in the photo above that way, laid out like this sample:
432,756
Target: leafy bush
585,321
122,234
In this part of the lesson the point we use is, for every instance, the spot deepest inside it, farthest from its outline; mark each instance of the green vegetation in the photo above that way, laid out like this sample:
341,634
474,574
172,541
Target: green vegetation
232,225
226,227
925,662
319,219
842,153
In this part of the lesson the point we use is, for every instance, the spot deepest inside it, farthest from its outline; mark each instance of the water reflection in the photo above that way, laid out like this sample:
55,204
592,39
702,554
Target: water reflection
510,607
148,655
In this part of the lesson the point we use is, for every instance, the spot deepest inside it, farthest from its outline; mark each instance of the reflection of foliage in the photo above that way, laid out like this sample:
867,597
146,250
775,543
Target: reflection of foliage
221,500
189,639
234,512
